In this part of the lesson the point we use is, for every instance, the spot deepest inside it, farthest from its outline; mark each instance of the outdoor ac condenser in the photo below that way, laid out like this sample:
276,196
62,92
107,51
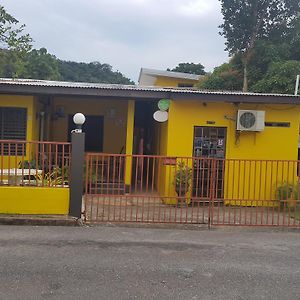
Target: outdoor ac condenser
250,120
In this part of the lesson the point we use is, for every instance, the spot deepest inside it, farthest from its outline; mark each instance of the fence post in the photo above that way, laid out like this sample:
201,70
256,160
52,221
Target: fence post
212,189
76,176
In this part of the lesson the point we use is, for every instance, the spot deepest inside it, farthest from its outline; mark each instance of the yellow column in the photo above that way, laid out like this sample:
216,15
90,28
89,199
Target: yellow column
129,140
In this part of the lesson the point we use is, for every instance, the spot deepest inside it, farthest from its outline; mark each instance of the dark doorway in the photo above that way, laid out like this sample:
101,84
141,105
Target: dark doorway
93,129
209,142
143,140
143,143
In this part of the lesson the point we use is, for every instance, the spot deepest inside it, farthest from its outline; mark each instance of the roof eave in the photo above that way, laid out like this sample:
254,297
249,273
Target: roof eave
150,94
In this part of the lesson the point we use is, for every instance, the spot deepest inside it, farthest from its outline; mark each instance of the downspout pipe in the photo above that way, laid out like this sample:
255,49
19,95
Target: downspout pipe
42,122
297,85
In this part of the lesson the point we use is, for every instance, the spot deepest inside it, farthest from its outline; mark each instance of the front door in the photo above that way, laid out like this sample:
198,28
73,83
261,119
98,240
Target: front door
93,129
209,142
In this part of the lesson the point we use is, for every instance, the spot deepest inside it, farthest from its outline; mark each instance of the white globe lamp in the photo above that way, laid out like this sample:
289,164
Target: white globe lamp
79,120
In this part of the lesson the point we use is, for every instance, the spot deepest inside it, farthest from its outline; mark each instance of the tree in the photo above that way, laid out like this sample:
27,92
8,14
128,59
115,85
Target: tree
13,42
280,78
294,40
264,54
90,72
189,68
247,21
11,34
39,64
224,77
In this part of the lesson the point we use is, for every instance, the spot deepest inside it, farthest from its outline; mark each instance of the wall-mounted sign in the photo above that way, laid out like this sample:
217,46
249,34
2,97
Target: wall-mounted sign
169,161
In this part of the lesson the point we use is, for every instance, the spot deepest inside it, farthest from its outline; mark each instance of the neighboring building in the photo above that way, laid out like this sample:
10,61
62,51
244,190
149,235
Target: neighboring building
200,123
151,77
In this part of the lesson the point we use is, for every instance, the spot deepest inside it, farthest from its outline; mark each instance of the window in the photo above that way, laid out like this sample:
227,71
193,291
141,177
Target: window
13,124
277,124
185,85
209,141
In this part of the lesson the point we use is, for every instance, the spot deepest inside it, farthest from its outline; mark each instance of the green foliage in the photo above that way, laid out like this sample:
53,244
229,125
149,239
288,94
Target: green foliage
63,173
11,33
264,54
293,40
280,78
39,64
28,164
287,195
224,77
57,176
14,44
17,61
182,178
272,67
90,72
51,179
287,191
190,68
246,22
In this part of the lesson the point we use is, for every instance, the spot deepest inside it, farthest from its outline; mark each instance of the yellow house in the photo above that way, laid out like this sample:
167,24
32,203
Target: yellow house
239,147
152,77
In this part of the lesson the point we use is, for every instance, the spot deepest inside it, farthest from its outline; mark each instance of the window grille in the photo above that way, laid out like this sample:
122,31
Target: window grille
13,126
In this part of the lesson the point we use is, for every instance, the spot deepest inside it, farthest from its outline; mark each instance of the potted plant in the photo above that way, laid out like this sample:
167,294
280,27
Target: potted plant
182,180
50,179
287,193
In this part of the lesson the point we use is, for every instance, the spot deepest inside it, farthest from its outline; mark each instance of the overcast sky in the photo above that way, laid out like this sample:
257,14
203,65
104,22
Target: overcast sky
127,34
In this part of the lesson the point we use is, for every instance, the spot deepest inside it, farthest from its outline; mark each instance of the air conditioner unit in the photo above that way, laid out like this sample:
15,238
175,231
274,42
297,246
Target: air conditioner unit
250,120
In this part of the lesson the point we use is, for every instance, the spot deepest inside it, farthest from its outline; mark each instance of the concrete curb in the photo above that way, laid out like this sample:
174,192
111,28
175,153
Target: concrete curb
199,227
44,220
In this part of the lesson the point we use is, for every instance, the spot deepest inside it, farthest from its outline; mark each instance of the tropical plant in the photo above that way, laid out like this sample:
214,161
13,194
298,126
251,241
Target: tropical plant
29,164
182,179
287,193
63,173
50,179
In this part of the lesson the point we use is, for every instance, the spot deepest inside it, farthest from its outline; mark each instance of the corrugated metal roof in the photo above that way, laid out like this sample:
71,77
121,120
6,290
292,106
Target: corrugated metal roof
103,86
148,76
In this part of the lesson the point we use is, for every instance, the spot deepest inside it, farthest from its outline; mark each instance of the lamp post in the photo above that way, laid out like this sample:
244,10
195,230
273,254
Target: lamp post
77,162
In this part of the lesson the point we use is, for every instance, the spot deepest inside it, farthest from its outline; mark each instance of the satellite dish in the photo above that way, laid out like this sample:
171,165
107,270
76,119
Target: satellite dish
164,104
160,116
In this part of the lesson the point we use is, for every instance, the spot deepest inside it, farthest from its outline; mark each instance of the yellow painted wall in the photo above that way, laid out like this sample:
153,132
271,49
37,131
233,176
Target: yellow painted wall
114,134
28,102
274,143
129,141
161,170
254,182
172,82
35,120
34,200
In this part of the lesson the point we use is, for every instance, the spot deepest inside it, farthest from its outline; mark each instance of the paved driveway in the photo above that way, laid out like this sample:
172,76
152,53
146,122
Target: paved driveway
137,263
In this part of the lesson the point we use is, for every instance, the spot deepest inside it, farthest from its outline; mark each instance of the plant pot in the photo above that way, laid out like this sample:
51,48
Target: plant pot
292,203
181,193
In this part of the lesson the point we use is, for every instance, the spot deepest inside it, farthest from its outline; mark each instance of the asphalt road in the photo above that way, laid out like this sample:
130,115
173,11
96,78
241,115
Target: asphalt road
135,263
